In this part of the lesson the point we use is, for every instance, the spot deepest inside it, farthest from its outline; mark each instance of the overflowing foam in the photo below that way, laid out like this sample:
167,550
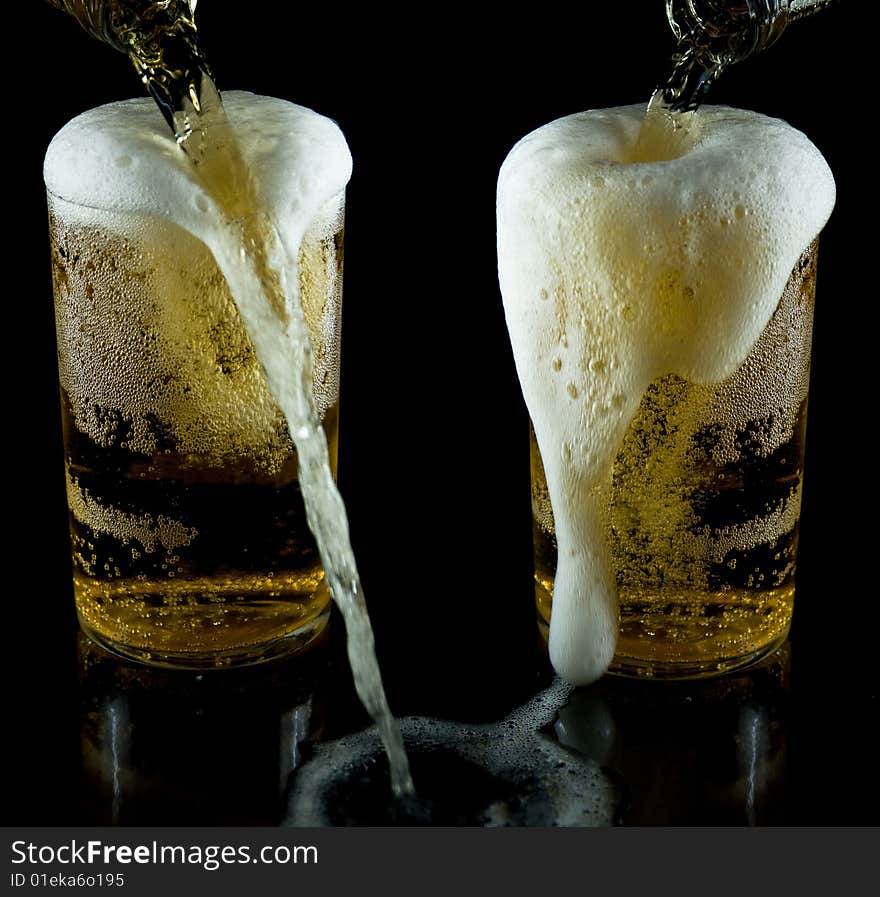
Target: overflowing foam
120,158
615,273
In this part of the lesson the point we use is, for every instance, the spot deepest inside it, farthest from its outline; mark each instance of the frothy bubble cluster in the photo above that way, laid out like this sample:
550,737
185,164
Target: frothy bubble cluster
121,158
616,272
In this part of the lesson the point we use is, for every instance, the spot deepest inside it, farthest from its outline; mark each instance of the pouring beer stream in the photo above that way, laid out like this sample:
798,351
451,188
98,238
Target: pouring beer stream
261,270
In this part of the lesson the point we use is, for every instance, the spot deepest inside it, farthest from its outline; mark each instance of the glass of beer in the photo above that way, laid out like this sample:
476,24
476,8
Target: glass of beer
660,305
189,539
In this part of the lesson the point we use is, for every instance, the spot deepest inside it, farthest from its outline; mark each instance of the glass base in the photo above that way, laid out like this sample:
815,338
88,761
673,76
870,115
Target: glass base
646,665
246,655
640,667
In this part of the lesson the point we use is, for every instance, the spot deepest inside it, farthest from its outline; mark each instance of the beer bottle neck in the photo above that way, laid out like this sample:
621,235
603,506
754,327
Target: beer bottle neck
780,13
714,34
159,36
93,15
746,26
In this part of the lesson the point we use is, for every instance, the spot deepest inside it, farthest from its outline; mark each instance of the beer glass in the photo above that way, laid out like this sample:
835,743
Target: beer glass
659,297
189,539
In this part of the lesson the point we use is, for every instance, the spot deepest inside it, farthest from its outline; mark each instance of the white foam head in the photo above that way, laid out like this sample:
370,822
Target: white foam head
123,158
614,273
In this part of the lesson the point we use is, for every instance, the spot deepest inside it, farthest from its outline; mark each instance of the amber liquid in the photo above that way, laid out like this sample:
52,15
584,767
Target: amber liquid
234,576
703,516
188,529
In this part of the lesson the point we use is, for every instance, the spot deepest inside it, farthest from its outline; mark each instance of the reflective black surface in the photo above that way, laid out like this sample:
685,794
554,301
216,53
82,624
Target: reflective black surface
156,745
434,452
159,747
709,752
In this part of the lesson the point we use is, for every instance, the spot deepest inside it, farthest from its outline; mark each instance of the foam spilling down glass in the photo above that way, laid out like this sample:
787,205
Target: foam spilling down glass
659,299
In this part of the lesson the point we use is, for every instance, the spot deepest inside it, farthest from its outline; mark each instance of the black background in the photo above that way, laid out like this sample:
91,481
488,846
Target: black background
434,465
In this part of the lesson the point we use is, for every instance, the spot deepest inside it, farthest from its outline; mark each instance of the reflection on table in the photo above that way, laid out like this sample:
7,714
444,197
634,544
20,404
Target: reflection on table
162,747
707,752
167,747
